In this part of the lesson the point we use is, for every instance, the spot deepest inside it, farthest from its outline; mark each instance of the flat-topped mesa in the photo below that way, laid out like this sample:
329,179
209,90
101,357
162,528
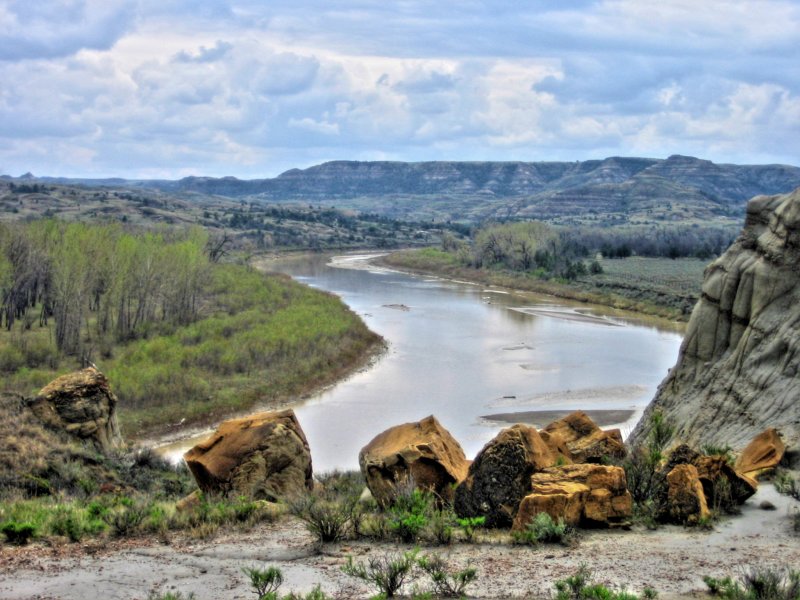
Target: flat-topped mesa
737,371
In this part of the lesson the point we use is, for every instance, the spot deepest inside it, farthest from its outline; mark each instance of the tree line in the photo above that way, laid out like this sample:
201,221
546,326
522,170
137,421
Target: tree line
533,246
98,282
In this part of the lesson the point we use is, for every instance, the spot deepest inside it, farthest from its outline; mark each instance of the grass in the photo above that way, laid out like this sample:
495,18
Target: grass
262,339
659,287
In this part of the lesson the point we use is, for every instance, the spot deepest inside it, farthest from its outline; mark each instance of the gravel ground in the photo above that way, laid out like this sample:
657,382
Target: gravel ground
672,560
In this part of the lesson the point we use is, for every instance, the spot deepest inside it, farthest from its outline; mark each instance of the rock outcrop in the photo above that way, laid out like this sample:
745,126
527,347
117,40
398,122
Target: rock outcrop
738,371
500,476
585,441
583,494
83,405
763,453
423,454
265,456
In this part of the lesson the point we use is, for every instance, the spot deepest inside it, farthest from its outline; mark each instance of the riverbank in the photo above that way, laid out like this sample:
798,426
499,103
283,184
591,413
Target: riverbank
671,298
672,560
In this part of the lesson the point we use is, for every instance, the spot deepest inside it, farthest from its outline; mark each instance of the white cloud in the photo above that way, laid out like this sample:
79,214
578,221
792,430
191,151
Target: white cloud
245,88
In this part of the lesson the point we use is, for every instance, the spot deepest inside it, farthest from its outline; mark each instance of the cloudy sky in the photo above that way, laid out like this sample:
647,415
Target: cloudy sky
167,88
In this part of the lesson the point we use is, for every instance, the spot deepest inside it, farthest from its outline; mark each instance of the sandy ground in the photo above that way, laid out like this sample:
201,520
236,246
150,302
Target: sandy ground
672,560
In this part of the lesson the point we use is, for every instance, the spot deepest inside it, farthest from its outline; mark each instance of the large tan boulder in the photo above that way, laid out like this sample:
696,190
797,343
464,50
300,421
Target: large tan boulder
265,455
580,494
686,500
500,476
738,370
585,441
423,454
82,404
763,453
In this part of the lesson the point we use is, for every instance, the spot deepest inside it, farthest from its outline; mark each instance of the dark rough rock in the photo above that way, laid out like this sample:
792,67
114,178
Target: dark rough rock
83,405
265,455
682,455
500,476
738,371
582,494
422,453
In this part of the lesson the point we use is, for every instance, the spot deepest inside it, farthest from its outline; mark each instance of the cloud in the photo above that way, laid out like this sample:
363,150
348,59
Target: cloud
57,28
247,88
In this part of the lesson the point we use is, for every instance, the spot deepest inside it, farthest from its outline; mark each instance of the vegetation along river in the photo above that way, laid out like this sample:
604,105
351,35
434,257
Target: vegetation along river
464,353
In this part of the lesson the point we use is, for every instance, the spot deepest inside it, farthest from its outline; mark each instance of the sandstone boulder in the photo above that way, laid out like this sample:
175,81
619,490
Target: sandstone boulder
82,404
723,486
500,476
423,454
738,371
581,494
585,441
265,455
686,500
763,453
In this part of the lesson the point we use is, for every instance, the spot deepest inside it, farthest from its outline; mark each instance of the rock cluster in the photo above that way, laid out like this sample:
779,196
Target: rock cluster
520,466
738,371
82,404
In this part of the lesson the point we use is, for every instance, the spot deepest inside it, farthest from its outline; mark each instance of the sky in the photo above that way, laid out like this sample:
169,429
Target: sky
251,88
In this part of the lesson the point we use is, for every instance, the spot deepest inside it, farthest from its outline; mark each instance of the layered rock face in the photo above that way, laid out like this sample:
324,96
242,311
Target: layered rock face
737,372
423,454
265,455
83,405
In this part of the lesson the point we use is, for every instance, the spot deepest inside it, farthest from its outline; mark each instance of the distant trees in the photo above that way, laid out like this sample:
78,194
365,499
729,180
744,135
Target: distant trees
96,281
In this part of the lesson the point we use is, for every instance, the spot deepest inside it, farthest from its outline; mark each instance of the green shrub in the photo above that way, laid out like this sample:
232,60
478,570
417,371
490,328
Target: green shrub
441,525
786,484
265,582
328,520
580,587
544,530
73,523
18,533
170,596
409,514
757,584
725,452
387,573
469,526
446,583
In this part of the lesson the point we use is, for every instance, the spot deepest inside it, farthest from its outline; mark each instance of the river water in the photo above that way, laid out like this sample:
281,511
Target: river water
463,352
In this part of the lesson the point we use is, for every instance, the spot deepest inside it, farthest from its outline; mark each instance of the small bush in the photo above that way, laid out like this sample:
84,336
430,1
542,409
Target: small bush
409,514
18,533
725,452
469,526
441,525
328,520
265,582
757,584
446,584
387,573
170,596
544,530
786,484
580,587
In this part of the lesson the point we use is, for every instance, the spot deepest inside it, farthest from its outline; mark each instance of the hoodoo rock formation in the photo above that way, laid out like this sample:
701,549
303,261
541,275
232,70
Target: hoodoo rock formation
738,369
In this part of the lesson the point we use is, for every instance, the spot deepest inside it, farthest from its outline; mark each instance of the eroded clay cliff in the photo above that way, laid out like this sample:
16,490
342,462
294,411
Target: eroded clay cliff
737,371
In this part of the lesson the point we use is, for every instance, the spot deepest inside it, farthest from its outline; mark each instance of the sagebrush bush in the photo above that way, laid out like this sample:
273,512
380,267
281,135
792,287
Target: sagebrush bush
757,584
543,529
387,573
579,586
446,583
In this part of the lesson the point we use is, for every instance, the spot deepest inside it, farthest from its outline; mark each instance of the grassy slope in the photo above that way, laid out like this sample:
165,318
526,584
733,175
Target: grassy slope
660,287
264,339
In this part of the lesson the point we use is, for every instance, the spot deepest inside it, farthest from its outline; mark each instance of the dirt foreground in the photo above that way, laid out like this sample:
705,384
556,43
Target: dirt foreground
672,560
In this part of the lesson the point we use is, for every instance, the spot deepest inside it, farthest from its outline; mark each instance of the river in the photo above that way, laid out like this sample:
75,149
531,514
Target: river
464,352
